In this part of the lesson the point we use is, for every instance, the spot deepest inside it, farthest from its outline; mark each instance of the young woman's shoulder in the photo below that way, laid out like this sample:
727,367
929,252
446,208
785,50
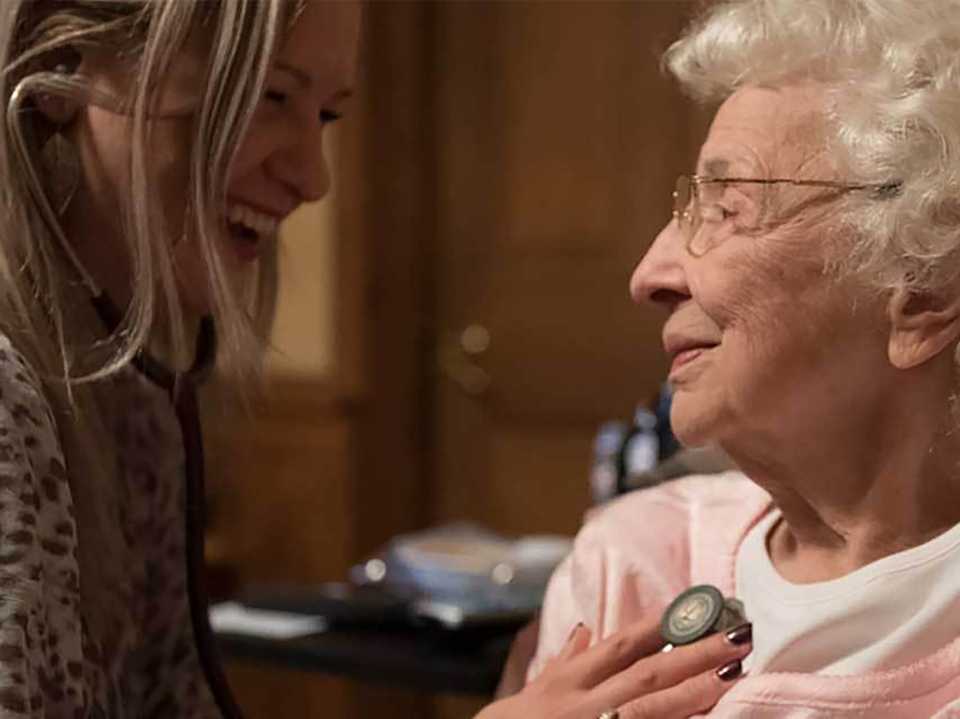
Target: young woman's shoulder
29,442
19,382
40,625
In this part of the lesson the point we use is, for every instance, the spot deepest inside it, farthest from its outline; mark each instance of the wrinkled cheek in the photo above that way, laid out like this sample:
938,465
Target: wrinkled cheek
750,303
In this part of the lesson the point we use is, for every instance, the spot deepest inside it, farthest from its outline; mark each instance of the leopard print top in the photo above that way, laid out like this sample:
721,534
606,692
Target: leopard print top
50,664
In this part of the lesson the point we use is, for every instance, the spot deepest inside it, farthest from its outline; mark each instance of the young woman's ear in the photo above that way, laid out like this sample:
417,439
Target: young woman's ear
58,109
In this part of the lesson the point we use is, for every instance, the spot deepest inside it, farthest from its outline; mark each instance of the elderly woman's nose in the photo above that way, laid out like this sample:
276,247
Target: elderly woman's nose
660,276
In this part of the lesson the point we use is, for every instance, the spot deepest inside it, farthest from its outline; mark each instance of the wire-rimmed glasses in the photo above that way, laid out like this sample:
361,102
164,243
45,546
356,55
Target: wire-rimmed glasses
691,214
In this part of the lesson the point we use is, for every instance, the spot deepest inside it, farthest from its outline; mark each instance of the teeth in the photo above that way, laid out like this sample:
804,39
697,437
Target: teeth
264,225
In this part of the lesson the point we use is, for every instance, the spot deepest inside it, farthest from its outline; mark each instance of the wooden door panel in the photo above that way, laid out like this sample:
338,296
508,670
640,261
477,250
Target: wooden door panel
537,480
558,142
540,478
558,129
567,342
281,491
584,103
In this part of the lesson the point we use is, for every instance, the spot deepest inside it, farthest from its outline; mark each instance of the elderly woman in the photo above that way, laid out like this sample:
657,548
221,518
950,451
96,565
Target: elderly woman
810,279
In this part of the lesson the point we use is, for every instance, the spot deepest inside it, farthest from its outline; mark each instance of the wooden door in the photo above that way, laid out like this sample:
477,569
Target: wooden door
558,142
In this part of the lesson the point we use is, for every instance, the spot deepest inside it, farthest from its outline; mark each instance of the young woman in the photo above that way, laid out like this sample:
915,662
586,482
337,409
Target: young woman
149,151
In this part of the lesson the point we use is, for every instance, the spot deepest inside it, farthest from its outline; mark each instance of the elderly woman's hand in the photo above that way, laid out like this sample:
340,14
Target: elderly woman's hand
628,673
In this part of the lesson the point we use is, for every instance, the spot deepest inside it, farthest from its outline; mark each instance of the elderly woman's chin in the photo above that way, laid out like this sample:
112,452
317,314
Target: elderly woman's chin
696,419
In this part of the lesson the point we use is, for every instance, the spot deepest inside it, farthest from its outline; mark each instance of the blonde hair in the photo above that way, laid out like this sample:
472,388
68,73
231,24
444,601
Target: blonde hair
891,72
40,42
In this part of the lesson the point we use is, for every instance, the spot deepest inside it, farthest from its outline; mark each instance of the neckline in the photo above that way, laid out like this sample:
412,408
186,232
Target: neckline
833,589
878,689
153,369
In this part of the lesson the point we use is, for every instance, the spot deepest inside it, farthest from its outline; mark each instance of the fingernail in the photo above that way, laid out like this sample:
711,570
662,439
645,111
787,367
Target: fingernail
729,672
576,628
740,635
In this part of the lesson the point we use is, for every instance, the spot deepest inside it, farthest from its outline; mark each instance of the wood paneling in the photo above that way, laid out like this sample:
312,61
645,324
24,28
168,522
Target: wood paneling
530,463
389,216
281,497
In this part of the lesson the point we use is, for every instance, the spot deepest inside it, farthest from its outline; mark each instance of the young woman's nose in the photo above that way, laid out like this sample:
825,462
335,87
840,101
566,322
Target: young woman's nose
301,166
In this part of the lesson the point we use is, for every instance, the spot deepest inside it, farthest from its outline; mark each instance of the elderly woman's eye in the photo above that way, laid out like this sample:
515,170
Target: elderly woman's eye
715,213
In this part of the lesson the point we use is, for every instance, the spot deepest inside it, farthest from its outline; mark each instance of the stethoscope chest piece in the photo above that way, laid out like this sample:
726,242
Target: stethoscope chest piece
698,612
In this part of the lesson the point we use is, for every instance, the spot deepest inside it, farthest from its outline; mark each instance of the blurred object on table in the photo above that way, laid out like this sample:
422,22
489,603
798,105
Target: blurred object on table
646,453
463,575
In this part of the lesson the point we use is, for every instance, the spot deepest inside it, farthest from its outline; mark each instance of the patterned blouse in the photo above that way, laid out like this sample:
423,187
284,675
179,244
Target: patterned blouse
146,665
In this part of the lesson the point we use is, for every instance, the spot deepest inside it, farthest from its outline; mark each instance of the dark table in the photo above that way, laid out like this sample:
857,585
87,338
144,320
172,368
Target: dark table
428,657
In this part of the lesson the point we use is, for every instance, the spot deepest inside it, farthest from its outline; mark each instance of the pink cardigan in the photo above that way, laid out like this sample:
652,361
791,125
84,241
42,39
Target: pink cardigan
635,555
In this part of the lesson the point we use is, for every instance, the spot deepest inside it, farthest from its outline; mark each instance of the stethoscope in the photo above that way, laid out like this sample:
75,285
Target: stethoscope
699,612
181,389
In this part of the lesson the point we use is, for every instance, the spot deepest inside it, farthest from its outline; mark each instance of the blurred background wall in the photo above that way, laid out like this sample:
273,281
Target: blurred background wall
454,323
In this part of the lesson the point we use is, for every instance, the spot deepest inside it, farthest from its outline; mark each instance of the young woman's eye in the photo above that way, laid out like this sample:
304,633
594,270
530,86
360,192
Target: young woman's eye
275,96
328,116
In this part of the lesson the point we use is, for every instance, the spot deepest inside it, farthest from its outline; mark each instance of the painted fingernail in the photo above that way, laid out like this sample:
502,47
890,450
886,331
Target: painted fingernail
740,635
576,628
729,672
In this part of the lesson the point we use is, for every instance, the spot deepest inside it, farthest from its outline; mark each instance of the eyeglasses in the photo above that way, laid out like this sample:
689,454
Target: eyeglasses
691,214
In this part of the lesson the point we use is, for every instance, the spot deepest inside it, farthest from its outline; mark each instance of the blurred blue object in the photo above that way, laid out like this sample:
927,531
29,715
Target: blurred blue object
668,442
640,451
646,452
604,476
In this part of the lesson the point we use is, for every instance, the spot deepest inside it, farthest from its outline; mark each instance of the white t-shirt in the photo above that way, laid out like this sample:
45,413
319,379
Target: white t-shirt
888,613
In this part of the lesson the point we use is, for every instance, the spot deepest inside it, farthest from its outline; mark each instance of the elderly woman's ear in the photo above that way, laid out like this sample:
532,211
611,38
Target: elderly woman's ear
922,325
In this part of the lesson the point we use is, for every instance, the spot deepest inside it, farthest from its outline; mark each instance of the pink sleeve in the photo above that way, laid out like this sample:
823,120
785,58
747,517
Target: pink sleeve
629,560
560,614
593,585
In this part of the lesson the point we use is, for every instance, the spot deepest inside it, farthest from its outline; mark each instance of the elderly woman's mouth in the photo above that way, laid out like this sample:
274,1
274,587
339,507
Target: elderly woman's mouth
687,354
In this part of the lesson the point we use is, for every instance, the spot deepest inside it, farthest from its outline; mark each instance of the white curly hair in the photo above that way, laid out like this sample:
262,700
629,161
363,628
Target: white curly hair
891,72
